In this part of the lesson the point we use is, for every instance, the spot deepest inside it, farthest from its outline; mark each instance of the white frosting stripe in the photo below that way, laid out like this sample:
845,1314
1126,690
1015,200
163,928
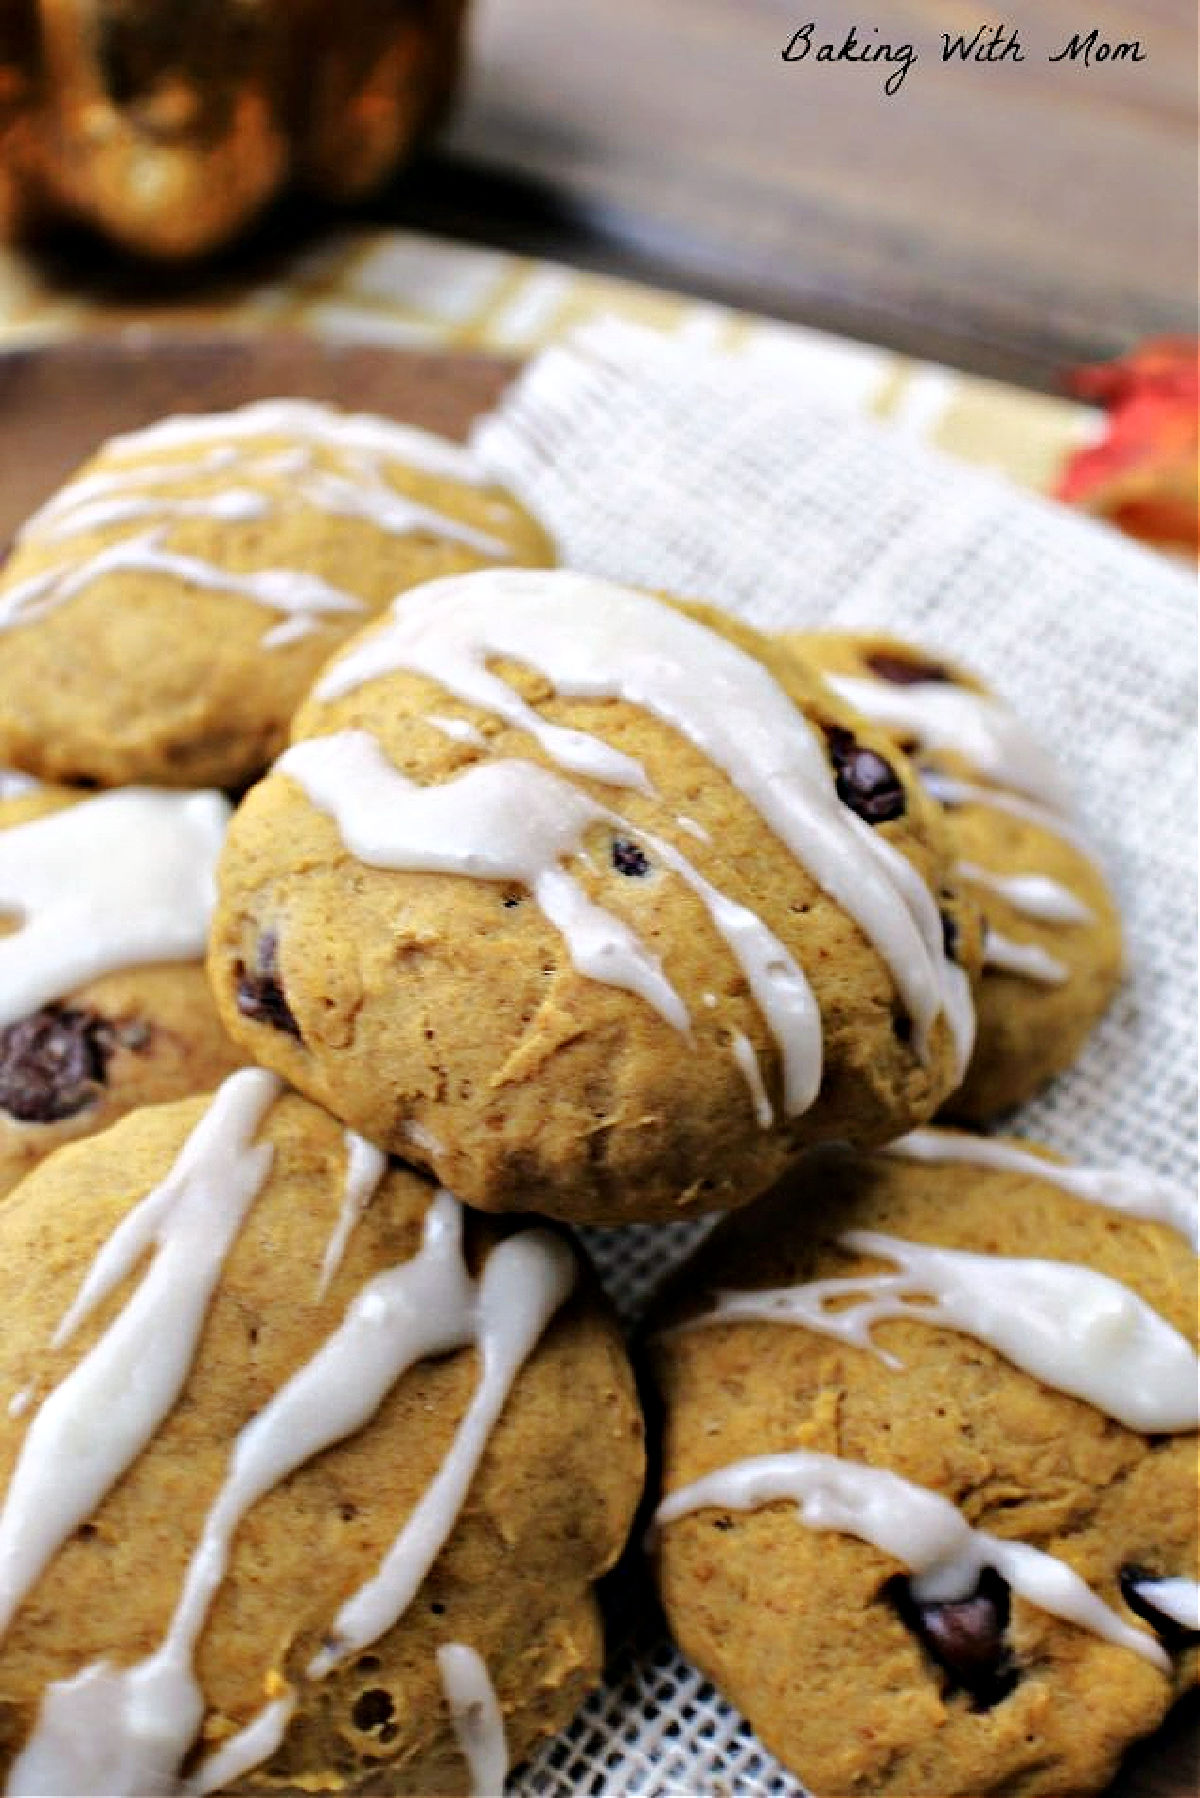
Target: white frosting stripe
365,1167
913,1525
309,422
1129,1190
1178,1599
1071,1327
100,1418
525,1281
508,820
117,881
1029,960
948,789
940,715
118,496
599,641
138,1722
476,1716
301,597
1034,896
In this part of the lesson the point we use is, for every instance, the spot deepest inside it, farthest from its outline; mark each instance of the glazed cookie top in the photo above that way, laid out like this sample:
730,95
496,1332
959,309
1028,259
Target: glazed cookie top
326,1350
545,732
1052,944
181,590
922,1325
90,884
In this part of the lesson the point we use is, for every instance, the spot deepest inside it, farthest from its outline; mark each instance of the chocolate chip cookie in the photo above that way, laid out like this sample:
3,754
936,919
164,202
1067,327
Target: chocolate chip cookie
1052,942
592,902
163,613
929,1466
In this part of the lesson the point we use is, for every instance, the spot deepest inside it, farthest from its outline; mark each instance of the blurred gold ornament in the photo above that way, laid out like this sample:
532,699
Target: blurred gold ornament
168,124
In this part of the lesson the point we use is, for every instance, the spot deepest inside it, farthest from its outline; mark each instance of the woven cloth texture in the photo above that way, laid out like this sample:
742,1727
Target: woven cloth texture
661,466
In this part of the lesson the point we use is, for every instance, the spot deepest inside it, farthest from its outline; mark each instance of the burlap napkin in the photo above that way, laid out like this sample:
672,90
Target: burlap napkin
654,464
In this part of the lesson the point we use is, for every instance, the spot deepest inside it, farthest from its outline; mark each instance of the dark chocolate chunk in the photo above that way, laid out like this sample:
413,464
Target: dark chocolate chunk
949,936
373,1709
628,859
965,1636
1134,1581
260,993
53,1063
903,670
865,782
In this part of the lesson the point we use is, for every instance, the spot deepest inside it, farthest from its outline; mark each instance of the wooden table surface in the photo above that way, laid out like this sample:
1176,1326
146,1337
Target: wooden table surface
1010,218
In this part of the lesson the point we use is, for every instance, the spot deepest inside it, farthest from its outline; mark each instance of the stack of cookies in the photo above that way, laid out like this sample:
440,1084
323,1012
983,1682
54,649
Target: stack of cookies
367,885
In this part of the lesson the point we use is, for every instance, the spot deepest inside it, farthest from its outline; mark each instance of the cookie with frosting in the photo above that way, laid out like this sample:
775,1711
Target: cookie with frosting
1052,945
928,1507
163,613
305,1473
104,1006
592,902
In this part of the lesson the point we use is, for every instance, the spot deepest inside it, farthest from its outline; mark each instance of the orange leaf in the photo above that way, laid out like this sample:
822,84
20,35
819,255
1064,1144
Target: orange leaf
1144,473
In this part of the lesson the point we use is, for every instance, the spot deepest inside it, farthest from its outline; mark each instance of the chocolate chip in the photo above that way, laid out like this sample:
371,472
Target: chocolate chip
865,782
949,936
965,1636
904,670
1134,1578
53,1064
628,859
260,993
373,1709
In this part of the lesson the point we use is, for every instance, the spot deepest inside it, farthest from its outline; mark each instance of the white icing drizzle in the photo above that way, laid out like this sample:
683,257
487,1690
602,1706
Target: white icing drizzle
20,1402
523,1284
1131,1191
599,641
96,1422
693,829
508,820
365,1167
117,881
949,790
460,729
303,598
119,496
309,422
423,1139
943,716
476,1715
249,1748
1034,896
1178,1599
238,505
917,1527
1071,1327
747,1061
138,1722
1029,960
16,786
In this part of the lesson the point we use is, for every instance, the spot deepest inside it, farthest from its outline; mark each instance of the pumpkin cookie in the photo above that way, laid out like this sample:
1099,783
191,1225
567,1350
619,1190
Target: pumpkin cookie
162,615
1052,940
929,1467
104,1006
306,1473
593,903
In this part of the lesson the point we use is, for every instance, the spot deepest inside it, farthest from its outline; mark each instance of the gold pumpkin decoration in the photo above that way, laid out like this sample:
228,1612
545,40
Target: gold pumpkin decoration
168,124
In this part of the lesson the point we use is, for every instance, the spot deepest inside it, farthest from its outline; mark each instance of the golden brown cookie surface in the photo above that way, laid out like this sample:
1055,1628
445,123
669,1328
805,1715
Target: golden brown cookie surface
1052,947
814,1621
577,984
96,1049
162,615
544,1514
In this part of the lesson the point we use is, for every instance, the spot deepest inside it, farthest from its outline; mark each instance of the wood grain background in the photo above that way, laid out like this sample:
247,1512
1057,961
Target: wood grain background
1011,219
